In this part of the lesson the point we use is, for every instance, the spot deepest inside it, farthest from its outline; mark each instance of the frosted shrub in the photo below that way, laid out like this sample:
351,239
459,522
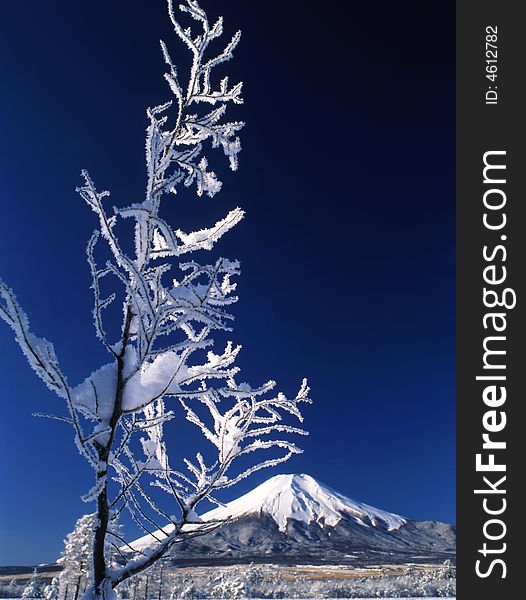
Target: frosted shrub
230,587
34,587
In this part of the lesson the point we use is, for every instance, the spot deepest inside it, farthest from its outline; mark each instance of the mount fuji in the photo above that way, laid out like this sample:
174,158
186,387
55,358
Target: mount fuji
296,519
302,498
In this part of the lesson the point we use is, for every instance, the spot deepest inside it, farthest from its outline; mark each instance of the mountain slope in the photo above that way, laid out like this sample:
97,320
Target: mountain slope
302,498
294,518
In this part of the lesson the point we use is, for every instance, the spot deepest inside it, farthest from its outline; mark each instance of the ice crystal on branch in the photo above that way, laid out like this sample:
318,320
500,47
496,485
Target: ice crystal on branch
162,357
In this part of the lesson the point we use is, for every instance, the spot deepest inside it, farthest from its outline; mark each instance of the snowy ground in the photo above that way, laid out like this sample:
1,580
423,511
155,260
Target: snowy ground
273,582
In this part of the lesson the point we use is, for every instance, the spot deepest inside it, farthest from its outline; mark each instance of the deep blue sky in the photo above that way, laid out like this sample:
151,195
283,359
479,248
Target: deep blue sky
347,177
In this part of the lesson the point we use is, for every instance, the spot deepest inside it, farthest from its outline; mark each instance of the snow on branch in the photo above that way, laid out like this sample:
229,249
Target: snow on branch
204,239
39,352
175,154
232,430
42,359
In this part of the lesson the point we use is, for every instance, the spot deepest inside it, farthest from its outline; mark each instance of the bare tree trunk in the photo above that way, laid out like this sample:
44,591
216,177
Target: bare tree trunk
99,541
146,587
160,579
79,581
103,509
77,588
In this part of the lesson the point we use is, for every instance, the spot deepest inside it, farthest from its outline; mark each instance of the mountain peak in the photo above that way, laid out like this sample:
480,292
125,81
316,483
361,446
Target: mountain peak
300,497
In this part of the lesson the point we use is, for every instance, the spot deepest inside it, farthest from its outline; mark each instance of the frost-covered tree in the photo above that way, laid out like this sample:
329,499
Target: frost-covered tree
76,558
156,581
170,312
51,590
229,586
188,591
11,590
34,587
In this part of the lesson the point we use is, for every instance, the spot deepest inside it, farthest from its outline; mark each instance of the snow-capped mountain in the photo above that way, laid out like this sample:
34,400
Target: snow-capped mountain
296,518
302,498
